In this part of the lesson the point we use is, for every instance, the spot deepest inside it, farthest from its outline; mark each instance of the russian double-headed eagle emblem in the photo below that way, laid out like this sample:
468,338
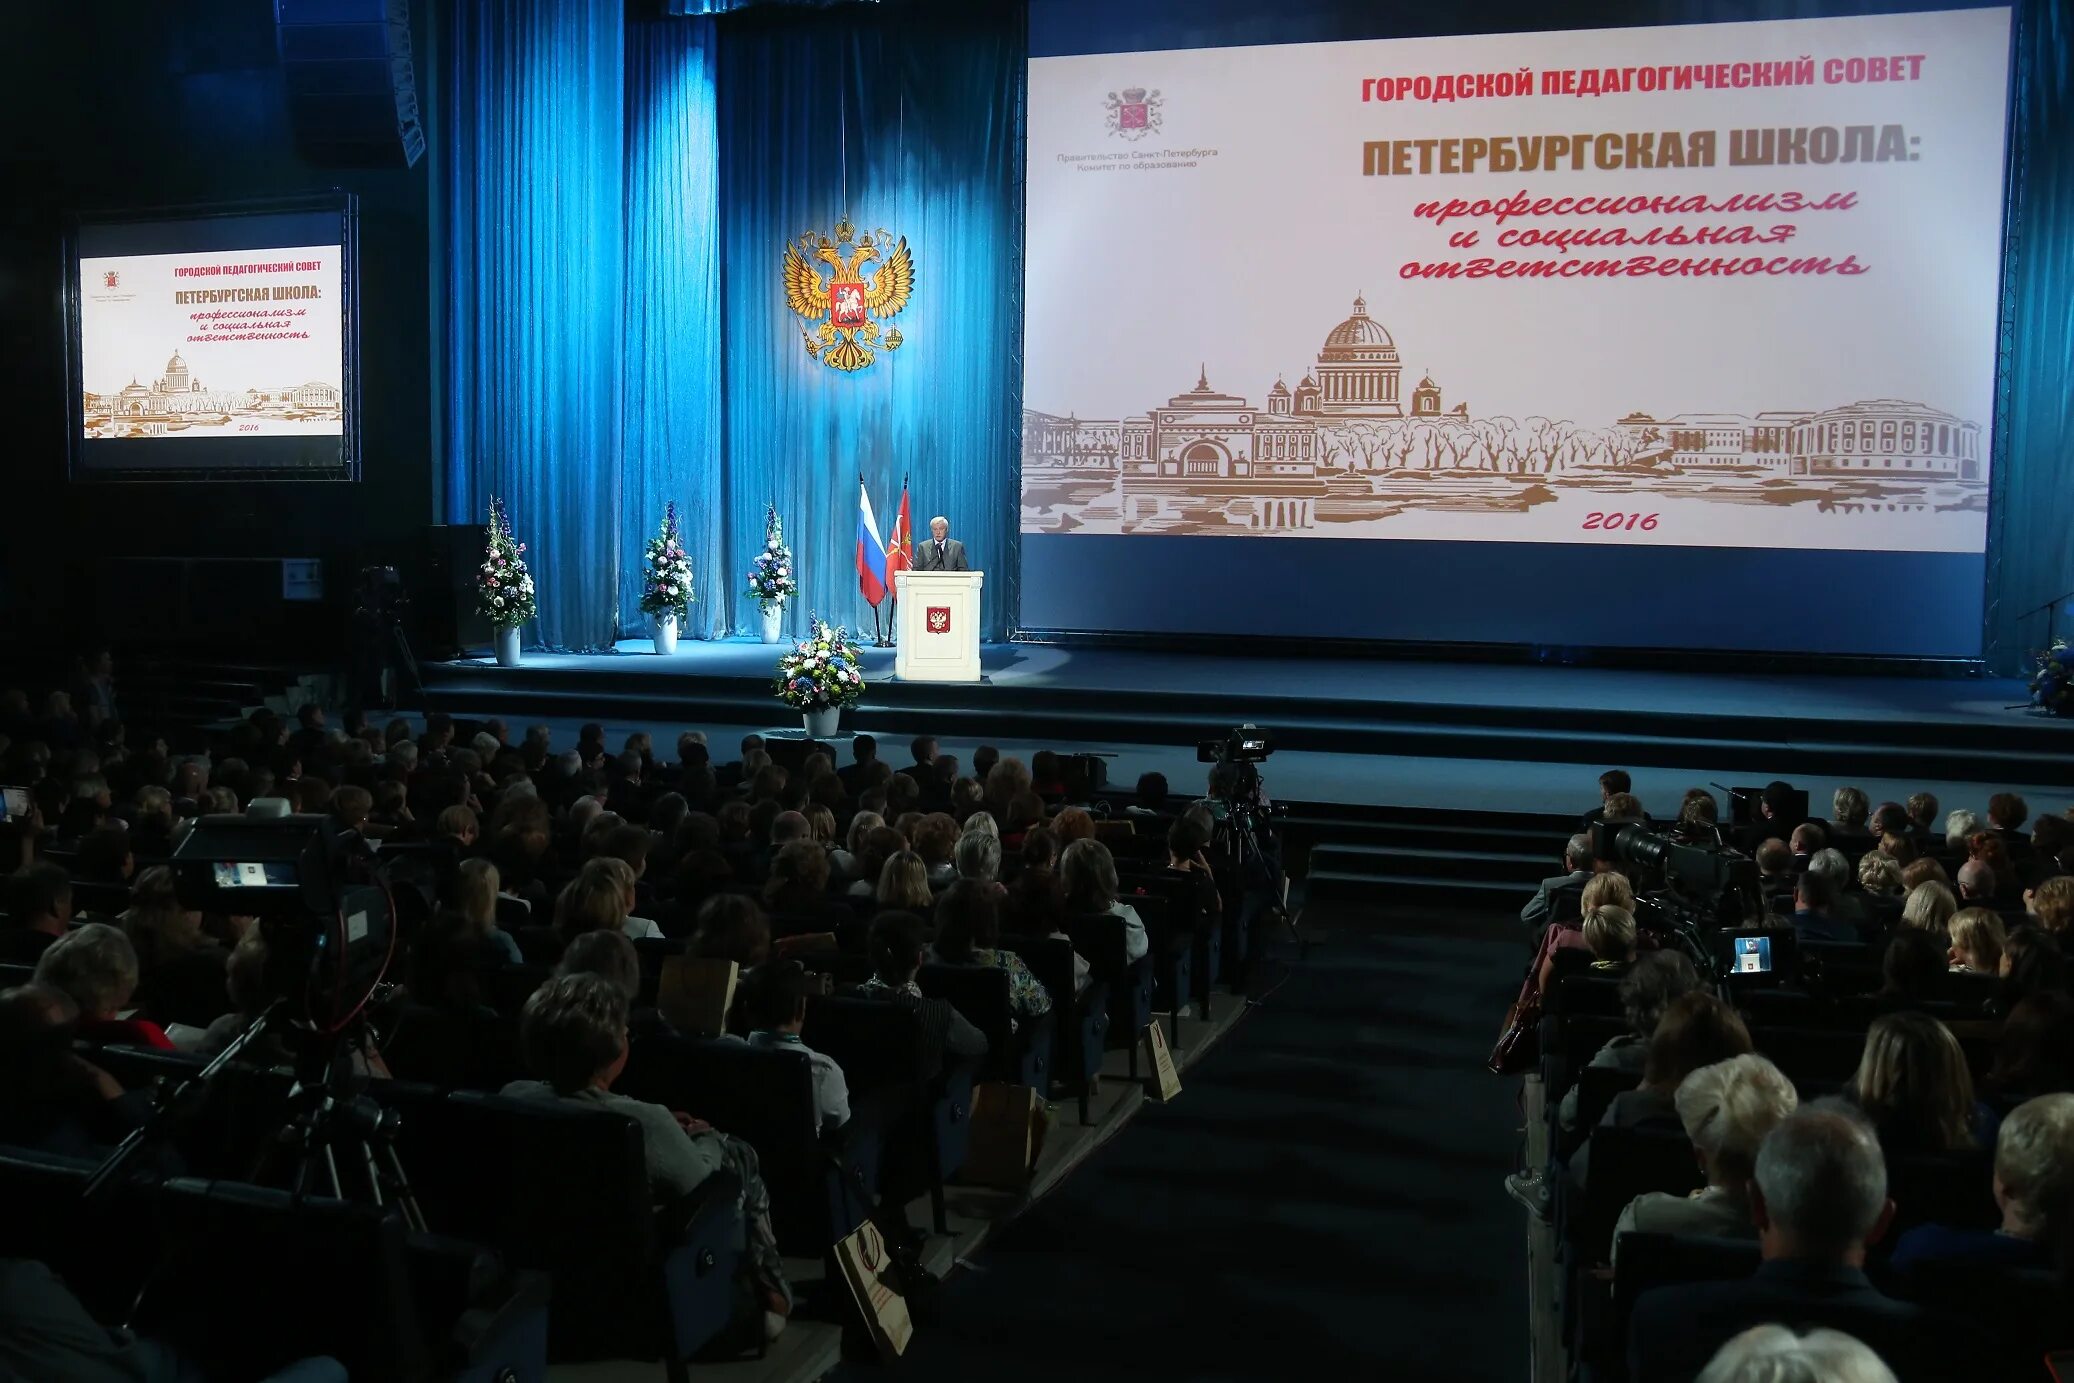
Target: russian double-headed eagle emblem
848,305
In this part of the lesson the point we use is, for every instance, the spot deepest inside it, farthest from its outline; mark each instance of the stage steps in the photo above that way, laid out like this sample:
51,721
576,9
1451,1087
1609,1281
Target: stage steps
1402,854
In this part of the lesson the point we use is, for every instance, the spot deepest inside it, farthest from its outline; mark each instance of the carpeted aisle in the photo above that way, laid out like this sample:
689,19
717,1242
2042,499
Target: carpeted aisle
1324,1199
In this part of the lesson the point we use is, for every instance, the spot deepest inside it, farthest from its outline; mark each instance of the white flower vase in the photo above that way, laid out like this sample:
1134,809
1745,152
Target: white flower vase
507,645
666,632
822,724
773,618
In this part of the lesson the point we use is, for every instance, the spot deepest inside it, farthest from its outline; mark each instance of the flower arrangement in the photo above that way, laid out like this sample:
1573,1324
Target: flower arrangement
770,575
2052,685
666,588
503,586
821,671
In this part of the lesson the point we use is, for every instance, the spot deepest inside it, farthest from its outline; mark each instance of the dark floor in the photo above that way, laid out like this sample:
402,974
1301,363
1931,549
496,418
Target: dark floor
1322,1201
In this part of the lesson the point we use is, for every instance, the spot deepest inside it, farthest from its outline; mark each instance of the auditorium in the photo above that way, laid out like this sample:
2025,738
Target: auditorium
769,691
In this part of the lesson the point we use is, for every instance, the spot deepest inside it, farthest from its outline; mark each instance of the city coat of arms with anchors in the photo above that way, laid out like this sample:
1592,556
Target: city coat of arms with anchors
848,304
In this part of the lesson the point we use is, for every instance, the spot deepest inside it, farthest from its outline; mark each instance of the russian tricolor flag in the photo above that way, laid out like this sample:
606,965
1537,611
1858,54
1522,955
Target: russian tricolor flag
871,551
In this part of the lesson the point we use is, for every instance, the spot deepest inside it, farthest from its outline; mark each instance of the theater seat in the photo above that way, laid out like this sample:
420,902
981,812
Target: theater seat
883,1053
766,1098
1100,938
1080,1022
1020,1054
563,1189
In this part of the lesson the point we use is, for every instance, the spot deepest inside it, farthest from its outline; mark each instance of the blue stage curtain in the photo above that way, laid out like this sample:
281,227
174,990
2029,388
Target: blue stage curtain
2031,542
917,112
672,442
534,126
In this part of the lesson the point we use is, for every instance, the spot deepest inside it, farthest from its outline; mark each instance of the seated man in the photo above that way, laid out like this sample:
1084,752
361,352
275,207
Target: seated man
1775,874
1818,1197
2034,1186
774,1000
1815,911
1612,783
1556,900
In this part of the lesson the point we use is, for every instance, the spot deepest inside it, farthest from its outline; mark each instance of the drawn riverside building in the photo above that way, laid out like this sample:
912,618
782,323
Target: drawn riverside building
1207,457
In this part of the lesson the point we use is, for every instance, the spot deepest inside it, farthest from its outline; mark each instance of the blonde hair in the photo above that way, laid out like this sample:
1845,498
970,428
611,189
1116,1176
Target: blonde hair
904,883
1610,932
1610,889
475,893
458,820
1728,1107
1929,908
596,899
2052,902
1850,806
1878,873
1913,1080
1977,935
821,821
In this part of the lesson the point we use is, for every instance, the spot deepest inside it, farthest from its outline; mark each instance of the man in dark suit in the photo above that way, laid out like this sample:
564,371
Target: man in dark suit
1819,1196
865,750
1558,898
942,552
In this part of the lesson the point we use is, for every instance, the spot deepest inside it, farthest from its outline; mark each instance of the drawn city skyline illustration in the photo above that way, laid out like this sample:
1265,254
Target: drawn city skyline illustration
1349,452
178,401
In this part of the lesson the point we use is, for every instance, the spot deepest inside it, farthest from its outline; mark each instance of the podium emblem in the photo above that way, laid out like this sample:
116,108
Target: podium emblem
939,619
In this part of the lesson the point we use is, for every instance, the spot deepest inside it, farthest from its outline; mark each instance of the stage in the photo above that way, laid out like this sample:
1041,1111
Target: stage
1348,730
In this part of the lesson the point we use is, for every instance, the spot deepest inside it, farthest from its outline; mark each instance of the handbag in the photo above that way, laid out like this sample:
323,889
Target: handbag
1518,1049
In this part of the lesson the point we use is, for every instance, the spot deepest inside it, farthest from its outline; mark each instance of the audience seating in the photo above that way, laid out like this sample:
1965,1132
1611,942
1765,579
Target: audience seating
1018,1053
1080,1022
818,1181
1100,938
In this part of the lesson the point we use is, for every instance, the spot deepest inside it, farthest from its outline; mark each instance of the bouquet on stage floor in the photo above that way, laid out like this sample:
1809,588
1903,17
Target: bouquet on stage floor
503,587
2052,685
821,671
770,575
666,586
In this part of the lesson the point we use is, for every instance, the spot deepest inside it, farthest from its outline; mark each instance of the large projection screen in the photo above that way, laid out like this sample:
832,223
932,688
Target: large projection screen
215,343
1674,337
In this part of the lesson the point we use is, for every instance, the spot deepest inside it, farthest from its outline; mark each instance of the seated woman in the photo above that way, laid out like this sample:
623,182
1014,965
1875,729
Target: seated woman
476,886
1087,873
573,1036
1977,937
796,893
95,967
897,947
1912,969
978,858
1610,889
179,969
904,883
2035,1054
936,840
1696,1030
842,860
1914,1088
968,932
1930,908
1651,985
732,927
2034,1187
51,1098
774,1001
1727,1109
879,844
600,898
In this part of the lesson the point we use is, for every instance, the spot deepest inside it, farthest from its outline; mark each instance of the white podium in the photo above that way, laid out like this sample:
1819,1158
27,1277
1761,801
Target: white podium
937,631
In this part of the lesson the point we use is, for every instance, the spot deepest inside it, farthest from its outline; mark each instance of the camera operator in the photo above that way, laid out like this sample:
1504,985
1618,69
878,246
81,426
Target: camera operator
1242,831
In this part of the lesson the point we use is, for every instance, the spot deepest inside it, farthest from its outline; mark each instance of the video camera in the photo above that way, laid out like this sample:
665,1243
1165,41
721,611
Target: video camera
1242,744
1693,891
319,911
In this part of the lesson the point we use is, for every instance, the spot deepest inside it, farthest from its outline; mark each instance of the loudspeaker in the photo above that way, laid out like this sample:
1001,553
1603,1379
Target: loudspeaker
443,598
352,95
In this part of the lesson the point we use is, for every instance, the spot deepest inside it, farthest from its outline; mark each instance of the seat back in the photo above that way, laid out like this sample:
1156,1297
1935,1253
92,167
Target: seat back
980,993
507,987
1596,1087
103,1249
1625,1162
313,1276
1649,1261
458,1051
1942,1188
1813,1053
234,1126
560,1188
765,1098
